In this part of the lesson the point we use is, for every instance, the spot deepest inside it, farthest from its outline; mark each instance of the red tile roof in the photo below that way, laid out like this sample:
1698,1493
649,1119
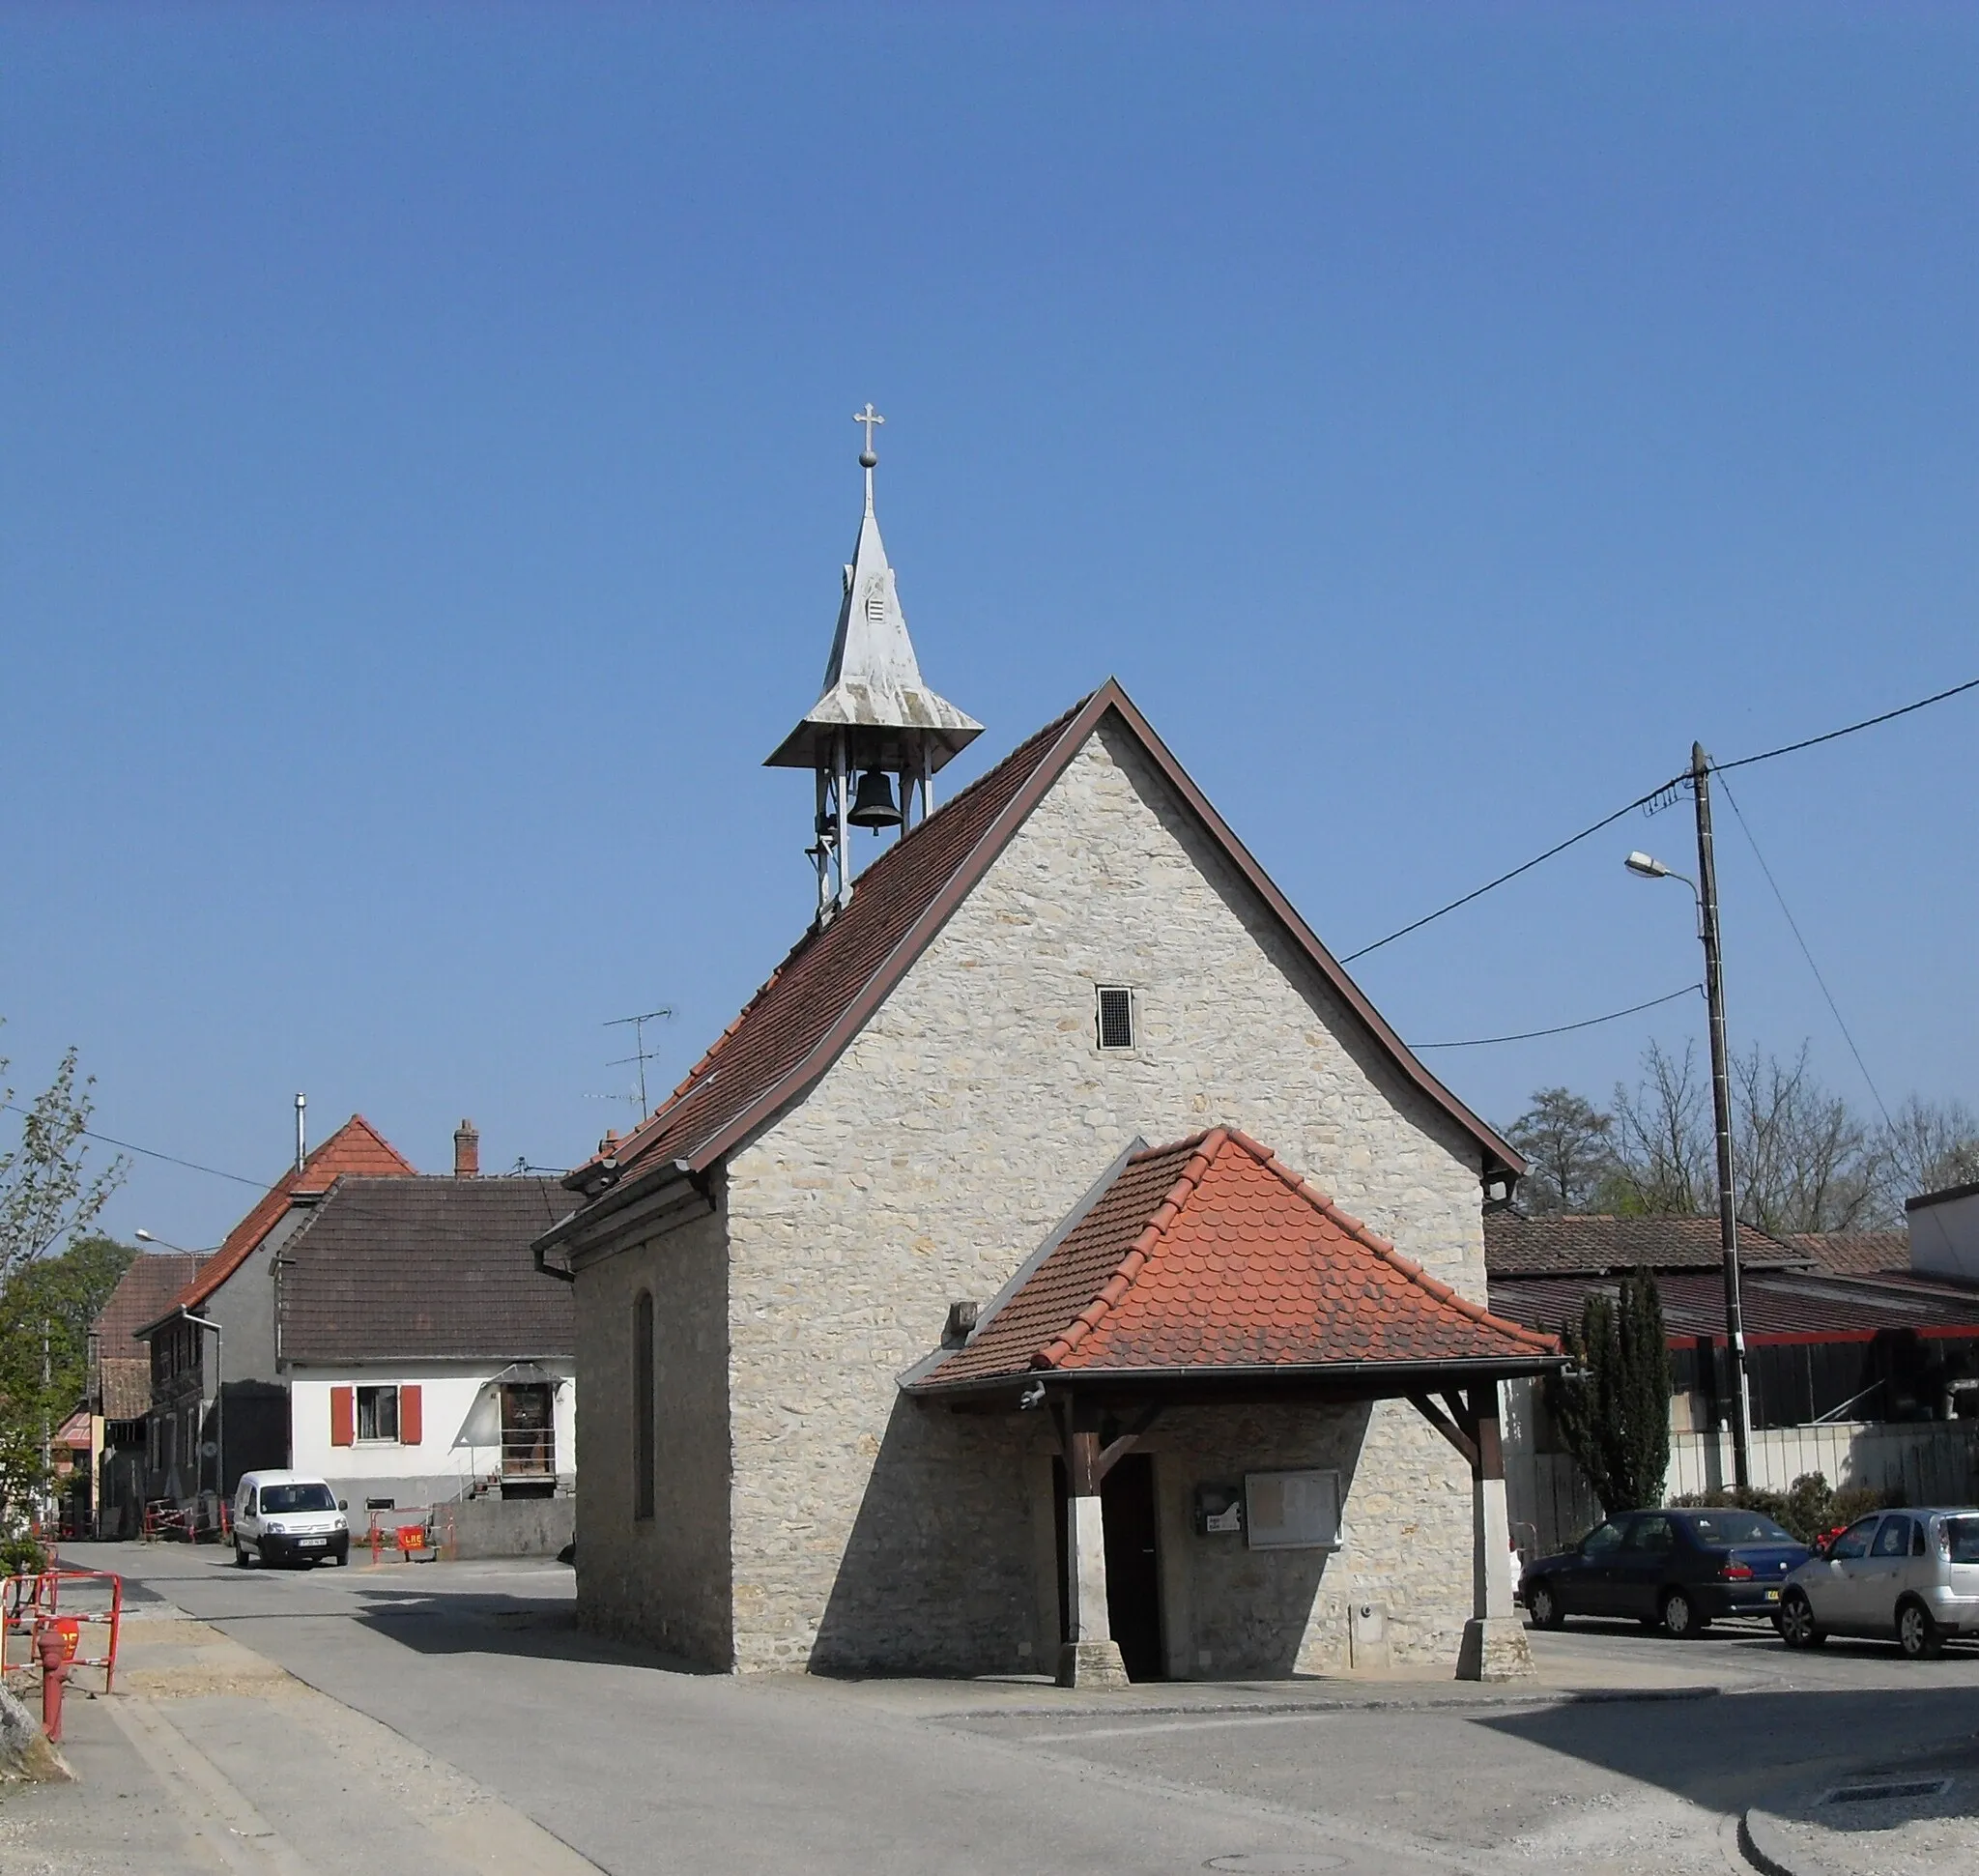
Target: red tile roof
1793,1304
1595,1243
356,1147
825,990
1855,1254
121,1382
1213,1254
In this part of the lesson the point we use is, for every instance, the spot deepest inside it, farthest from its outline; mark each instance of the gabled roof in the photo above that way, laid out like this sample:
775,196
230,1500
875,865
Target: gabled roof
433,1266
824,992
1595,1245
356,1147
1212,1256
121,1383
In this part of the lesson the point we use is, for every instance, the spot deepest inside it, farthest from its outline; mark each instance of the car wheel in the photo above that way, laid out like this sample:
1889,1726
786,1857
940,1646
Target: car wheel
1917,1633
1680,1617
1542,1603
1796,1624
242,1560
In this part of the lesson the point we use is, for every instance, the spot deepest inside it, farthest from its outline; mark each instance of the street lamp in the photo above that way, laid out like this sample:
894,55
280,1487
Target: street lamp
219,1377
1705,889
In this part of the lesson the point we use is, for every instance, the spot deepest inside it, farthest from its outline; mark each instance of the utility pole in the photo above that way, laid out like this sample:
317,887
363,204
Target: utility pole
1721,1105
48,1424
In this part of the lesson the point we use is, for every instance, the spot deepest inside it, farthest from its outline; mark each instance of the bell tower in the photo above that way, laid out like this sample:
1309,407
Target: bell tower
877,735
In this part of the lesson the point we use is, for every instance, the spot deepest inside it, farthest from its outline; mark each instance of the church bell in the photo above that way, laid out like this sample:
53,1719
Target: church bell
872,806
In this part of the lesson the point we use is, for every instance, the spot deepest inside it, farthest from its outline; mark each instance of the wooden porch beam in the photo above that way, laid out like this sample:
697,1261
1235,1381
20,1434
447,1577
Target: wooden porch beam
1446,1426
1117,1450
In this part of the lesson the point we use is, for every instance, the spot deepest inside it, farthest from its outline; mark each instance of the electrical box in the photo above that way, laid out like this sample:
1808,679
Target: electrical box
1219,1511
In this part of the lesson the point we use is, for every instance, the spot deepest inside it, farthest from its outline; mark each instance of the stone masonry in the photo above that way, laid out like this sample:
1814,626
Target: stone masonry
953,1134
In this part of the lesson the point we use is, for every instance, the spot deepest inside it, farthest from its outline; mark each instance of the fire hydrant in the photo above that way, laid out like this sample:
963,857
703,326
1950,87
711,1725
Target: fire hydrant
52,1646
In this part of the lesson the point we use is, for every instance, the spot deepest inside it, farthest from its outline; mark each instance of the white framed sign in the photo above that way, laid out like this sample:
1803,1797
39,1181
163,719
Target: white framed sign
1292,1510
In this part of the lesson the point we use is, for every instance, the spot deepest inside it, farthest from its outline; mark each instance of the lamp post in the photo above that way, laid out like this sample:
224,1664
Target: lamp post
1705,889
219,1381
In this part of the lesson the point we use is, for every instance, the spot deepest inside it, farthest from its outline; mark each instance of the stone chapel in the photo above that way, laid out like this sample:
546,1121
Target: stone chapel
1058,1267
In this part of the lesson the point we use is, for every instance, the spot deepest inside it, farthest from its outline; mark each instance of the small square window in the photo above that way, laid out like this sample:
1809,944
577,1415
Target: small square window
377,1413
1115,1017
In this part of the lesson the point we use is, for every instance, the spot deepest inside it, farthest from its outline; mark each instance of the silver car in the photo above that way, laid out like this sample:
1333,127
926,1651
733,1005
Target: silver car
1911,1575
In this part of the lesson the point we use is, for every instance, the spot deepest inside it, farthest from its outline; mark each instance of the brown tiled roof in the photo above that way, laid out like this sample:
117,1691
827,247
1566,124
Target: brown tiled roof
1591,1245
400,1268
123,1387
143,1293
1773,1305
1211,1255
1855,1254
824,991
356,1147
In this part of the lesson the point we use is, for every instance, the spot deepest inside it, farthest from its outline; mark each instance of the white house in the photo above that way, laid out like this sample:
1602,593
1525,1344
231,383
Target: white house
428,1361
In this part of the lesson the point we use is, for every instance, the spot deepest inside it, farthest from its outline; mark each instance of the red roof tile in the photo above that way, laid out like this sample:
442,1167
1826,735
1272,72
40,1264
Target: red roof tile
1855,1254
357,1146
1211,1254
823,992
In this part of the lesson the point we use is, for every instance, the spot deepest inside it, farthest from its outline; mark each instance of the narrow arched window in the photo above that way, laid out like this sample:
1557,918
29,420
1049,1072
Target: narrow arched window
643,1404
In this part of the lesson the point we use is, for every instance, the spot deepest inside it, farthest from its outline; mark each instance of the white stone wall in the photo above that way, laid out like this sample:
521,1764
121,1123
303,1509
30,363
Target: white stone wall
955,1131
664,1579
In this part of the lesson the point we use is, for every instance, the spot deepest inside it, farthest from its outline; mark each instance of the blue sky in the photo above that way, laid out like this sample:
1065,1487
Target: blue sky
426,466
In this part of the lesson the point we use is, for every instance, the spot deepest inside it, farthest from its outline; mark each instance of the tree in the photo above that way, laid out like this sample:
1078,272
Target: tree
47,1190
1801,1160
1665,1152
1612,1405
1927,1146
48,1195
1565,1138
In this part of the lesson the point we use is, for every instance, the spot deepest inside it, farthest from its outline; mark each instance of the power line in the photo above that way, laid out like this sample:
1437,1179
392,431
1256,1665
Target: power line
1867,723
1793,926
1560,1029
1538,860
150,1154
1645,800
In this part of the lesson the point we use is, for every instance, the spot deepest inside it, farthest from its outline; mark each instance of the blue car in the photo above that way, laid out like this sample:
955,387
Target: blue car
1672,1570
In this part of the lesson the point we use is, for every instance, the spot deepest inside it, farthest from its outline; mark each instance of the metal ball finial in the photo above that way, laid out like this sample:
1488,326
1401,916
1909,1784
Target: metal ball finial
868,460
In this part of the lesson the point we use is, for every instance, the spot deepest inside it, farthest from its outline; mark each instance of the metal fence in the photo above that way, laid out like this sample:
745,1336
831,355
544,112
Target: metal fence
1922,1463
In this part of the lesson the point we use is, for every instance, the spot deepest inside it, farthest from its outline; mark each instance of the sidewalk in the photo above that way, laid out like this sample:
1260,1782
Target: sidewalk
282,1781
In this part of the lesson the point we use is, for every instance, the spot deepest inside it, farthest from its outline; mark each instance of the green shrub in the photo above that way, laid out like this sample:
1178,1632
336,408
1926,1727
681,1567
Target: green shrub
21,1556
1809,1508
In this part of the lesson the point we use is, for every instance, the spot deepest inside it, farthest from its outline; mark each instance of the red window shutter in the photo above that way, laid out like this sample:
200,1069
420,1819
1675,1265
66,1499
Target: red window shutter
408,1415
343,1416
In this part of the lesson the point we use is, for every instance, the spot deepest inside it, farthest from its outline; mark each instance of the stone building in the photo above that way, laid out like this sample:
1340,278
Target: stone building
1058,1263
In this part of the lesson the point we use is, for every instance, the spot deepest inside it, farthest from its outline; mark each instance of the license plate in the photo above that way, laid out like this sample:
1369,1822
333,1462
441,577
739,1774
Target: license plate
1772,1596
307,1543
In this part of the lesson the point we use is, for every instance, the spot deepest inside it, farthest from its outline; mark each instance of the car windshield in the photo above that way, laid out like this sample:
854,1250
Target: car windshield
296,1498
1962,1536
1738,1528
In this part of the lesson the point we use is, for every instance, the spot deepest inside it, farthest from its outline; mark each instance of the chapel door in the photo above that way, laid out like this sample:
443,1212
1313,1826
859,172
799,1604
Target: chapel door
1133,1577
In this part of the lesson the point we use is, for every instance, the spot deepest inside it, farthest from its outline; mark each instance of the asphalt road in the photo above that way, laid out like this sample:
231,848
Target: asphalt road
644,1769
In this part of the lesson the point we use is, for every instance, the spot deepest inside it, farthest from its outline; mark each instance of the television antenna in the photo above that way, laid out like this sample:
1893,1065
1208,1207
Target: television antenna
641,1054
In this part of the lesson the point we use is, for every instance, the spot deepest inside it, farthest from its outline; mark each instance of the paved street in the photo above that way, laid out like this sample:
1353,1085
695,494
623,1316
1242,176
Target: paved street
500,1710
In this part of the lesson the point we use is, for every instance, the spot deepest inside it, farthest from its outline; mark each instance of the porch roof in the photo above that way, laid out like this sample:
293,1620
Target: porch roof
1209,1269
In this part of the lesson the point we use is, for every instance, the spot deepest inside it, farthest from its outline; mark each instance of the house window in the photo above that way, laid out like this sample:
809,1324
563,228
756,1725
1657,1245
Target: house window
1115,1016
643,1404
378,1414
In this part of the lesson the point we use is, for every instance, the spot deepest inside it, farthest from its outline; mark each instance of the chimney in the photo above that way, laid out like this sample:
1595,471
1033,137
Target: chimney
467,1151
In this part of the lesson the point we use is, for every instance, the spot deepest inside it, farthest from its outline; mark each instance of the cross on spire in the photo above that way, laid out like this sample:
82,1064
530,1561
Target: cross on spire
867,416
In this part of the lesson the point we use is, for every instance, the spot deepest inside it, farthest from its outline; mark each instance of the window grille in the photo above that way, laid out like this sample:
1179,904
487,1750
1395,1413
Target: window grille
1115,1017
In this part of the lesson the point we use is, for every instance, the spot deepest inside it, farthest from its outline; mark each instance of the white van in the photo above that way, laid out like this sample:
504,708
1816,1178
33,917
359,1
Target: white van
288,1517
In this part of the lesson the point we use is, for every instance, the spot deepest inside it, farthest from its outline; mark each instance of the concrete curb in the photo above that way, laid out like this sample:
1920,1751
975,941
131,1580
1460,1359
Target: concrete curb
1770,1849
1512,1696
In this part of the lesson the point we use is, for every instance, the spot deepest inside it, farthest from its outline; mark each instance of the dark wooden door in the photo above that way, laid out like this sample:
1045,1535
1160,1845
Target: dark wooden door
1133,1574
